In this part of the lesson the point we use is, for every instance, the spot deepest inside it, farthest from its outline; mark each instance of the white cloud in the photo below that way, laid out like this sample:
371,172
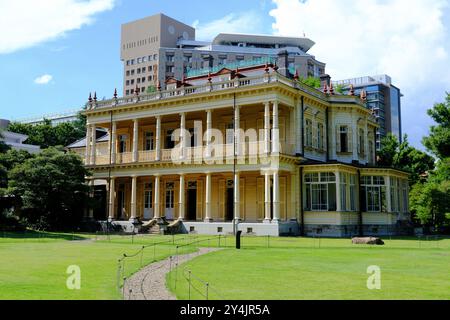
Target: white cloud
44,79
407,39
249,22
26,23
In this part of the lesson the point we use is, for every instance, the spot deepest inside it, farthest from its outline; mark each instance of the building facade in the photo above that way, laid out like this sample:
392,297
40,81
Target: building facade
384,99
157,48
249,149
15,140
55,118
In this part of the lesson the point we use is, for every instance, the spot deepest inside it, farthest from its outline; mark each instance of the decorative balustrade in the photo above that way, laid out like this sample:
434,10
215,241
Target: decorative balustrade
126,157
247,151
208,87
147,156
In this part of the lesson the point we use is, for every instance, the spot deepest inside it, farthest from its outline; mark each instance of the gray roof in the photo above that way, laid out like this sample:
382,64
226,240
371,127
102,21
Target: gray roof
82,142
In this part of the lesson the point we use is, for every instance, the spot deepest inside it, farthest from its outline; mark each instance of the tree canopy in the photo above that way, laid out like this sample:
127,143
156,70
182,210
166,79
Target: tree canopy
404,157
47,135
438,142
52,189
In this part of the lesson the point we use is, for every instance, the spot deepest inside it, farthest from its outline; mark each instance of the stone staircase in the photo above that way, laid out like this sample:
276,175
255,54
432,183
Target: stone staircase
154,229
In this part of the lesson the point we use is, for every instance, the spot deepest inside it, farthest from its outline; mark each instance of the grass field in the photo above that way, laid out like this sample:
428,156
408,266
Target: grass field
296,269
34,267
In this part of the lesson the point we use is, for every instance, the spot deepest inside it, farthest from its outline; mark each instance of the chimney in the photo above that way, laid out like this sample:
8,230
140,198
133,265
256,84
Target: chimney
283,63
325,80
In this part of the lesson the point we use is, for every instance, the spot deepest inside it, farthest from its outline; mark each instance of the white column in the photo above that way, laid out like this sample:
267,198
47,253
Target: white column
275,130
237,127
113,142
135,140
276,197
88,145
208,127
267,202
208,198
181,198
156,207
158,139
388,193
237,211
93,144
112,198
182,135
133,198
338,192
267,128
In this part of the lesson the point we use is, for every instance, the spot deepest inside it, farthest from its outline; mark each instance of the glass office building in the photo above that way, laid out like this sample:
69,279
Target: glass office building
383,98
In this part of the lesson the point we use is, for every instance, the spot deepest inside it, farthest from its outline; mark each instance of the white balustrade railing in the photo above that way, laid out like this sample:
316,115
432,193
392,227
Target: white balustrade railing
126,157
225,152
208,87
147,156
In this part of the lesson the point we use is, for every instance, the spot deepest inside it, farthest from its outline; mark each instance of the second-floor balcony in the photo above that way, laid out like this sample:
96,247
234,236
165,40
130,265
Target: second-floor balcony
248,153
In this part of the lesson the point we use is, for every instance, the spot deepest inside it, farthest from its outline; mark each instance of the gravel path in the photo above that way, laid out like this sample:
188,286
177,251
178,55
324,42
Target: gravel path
150,282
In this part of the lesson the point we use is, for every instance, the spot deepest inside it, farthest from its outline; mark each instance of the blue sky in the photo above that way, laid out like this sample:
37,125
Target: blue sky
66,48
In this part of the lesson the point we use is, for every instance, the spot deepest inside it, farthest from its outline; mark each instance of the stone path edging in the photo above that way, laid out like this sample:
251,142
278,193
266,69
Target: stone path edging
149,283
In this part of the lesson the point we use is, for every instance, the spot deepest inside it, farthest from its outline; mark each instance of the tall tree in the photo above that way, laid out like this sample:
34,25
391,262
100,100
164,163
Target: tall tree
438,142
47,135
52,188
405,157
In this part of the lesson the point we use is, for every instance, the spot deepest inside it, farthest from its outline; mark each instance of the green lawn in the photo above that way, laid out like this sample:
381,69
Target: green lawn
294,269
33,266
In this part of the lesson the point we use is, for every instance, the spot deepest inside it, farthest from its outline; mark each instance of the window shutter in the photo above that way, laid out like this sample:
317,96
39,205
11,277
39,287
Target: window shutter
315,141
359,141
338,139
305,133
350,139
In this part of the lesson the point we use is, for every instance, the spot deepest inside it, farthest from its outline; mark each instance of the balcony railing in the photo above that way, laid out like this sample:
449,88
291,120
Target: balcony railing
208,87
249,152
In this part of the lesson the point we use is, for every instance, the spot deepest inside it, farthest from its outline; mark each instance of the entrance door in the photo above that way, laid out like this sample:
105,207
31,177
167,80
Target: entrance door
230,204
148,203
192,201
192,204
121,203
170,192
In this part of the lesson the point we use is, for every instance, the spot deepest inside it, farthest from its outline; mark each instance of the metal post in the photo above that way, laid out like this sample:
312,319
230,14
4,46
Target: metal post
207,287
123,288
189,281
176,275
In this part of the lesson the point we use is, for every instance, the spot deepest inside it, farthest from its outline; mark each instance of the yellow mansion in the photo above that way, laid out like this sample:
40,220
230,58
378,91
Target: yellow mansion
249,149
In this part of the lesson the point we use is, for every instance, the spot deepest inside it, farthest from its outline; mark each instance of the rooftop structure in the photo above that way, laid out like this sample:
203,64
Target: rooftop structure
156,48
383,98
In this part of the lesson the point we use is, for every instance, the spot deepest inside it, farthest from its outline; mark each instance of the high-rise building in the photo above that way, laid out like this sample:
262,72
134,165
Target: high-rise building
157,48
383,98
